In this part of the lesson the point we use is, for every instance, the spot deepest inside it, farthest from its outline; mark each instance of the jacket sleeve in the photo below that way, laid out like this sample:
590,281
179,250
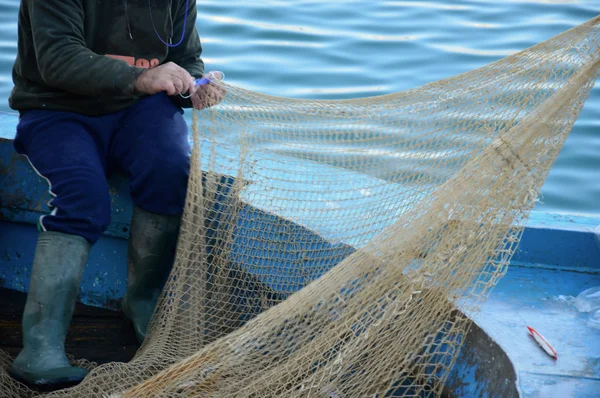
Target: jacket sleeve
187,54
63,59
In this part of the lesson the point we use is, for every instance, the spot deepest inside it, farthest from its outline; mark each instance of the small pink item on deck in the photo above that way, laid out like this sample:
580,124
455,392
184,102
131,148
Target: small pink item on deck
542,342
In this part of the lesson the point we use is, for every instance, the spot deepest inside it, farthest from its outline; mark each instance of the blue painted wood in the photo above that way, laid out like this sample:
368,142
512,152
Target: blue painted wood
541,298
104,278
557,240
263,248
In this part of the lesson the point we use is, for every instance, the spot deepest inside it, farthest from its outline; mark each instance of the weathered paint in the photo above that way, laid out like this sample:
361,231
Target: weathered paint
557,256
560,241
482,369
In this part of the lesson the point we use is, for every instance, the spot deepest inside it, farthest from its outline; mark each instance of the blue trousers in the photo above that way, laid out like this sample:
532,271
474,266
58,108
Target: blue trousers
76,154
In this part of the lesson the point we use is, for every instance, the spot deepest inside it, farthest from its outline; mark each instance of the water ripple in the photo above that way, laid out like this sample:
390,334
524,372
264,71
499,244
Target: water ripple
351,48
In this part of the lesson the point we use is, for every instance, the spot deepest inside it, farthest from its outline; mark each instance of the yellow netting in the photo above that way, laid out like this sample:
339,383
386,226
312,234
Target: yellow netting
394,215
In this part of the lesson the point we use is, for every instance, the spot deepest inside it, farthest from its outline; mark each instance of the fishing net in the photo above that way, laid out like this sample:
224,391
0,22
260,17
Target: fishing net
337,248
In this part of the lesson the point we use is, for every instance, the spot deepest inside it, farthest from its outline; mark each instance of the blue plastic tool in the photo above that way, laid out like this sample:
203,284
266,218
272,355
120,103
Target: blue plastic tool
202,81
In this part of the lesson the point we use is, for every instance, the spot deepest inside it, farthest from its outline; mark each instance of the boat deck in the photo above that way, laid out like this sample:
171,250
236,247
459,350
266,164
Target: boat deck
526,296
541,298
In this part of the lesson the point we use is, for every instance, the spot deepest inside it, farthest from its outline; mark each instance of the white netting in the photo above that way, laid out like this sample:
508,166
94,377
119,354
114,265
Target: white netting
350,272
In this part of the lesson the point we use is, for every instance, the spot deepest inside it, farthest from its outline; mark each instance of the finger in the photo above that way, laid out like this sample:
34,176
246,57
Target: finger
219,92
176,69
189,84
179,84
211,96
192,86
170,88
215,75
183,74
197,102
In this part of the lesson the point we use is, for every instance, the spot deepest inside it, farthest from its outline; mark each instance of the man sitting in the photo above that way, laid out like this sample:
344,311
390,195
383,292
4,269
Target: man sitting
101,89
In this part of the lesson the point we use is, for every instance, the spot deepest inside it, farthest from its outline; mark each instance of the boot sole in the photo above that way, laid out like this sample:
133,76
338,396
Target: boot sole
47,385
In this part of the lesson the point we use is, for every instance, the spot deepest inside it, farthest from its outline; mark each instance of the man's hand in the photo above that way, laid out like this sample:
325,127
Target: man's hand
168,77
209,94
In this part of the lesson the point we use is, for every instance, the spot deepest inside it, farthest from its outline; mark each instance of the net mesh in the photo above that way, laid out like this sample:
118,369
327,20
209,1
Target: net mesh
337,248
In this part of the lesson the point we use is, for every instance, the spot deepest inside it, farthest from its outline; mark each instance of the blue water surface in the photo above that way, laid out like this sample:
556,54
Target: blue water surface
347,49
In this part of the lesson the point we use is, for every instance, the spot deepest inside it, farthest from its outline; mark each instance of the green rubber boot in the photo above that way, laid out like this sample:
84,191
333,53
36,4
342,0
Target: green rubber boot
55,278
152,245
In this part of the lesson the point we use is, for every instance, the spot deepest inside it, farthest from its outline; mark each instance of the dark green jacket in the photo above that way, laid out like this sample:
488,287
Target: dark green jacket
83,56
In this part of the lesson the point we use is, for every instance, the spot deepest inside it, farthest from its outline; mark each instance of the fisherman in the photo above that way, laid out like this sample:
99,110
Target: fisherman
100,87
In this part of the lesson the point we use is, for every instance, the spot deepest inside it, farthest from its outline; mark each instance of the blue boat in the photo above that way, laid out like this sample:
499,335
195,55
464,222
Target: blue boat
558,258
